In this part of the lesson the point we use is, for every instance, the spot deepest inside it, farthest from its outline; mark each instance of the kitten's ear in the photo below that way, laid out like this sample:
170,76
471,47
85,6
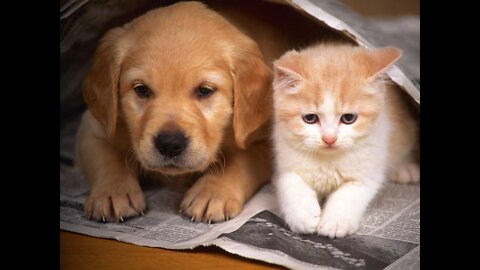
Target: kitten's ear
285,75
382,59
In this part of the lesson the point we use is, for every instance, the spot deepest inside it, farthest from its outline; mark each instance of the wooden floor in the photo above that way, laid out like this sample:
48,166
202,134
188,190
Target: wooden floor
84,252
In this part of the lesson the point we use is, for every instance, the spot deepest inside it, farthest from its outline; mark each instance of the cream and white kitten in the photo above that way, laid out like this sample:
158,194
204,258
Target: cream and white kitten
339,129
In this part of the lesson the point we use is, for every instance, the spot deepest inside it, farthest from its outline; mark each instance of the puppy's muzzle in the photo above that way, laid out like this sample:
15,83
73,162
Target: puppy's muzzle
171,144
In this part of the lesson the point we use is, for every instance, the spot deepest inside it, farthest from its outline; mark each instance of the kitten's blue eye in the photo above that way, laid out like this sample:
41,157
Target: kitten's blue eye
349,118
310,118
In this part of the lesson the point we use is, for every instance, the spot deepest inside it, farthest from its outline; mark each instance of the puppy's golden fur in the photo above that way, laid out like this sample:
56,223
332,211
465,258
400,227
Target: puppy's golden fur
174,53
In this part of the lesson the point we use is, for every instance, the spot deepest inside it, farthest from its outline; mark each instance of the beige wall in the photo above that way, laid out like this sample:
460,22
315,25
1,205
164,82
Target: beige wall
384,8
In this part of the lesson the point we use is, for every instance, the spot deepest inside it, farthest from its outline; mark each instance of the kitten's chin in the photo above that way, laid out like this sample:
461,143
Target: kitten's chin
329,148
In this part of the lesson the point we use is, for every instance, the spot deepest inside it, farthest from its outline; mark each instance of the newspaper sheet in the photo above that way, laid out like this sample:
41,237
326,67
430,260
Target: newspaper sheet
389,235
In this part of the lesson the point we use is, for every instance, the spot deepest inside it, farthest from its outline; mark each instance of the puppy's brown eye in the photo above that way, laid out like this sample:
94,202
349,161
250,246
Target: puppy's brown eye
310,118
204,91
349,118
142,90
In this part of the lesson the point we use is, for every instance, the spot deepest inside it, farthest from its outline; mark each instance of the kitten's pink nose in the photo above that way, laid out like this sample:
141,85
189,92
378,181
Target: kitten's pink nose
329,139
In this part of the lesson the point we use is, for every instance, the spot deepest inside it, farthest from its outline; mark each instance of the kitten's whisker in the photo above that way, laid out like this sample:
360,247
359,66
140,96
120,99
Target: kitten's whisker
307,149
303,148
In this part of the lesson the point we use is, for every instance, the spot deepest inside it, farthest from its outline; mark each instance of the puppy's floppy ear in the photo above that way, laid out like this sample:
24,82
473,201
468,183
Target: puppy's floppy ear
252,92
100,87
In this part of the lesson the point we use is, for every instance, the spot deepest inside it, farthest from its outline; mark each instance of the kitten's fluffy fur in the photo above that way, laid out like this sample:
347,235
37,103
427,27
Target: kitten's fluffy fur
341,164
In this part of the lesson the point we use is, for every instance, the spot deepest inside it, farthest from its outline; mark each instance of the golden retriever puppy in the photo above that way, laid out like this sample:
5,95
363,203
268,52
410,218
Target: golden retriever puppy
179,95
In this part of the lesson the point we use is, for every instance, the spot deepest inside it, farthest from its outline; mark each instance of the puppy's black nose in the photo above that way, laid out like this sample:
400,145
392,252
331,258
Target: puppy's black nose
170,144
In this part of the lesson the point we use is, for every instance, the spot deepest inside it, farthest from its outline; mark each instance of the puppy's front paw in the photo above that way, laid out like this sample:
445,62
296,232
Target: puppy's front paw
303,216
209,199
115,201
406,173
333,225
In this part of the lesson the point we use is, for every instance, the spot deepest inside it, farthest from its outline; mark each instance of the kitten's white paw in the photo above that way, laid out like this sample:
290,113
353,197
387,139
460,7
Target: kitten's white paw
304,217
332,226
406,173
